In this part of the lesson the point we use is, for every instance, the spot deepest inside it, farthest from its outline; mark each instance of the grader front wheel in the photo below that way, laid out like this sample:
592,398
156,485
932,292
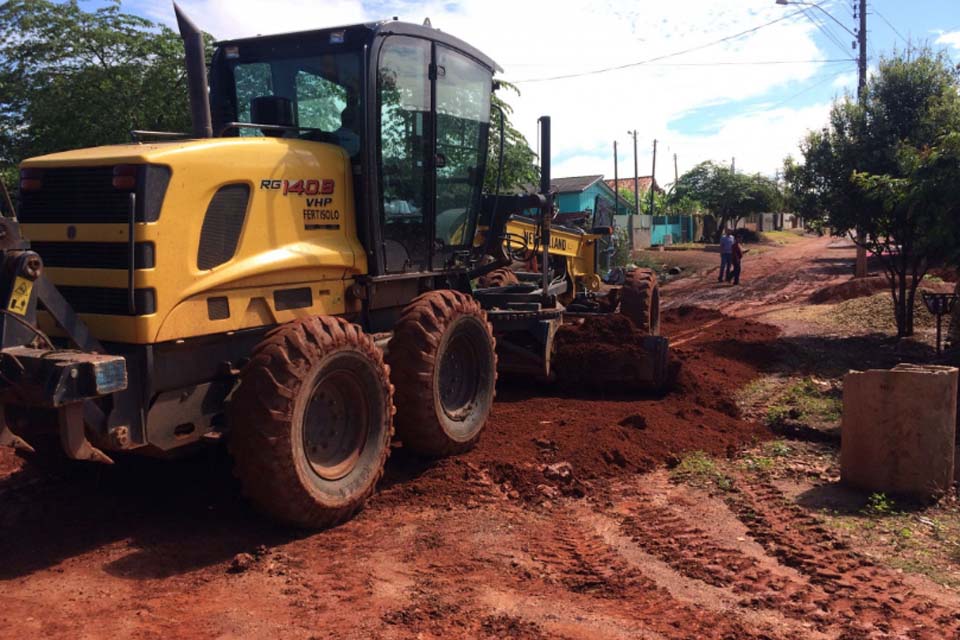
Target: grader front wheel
312,421
444,365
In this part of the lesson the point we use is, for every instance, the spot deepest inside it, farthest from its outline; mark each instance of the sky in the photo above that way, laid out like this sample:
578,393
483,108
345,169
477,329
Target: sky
709,79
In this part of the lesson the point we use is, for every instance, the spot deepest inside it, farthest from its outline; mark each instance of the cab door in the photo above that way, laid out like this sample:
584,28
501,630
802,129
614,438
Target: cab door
462,91
405,99
434,114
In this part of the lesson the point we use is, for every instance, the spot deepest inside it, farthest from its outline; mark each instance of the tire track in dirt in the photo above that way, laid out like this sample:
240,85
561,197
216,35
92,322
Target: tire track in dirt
691,590
583,563
870,598
692,552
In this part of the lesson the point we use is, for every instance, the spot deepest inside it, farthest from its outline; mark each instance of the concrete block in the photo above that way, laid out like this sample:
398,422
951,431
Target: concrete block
898,433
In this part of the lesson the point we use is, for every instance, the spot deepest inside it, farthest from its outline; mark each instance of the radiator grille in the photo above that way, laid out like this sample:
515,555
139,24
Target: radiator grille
222,225
86,194
95,255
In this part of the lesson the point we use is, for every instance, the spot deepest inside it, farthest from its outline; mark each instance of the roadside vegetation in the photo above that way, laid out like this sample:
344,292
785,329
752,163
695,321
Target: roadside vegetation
885,170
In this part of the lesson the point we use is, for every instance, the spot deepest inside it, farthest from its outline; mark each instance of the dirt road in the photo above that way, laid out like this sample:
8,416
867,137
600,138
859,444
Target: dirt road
563,523
771,278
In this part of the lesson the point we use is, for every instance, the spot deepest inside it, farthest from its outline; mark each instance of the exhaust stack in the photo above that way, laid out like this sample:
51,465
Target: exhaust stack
196,75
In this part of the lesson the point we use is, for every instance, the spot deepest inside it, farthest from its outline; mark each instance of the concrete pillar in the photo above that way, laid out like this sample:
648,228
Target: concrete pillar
899,430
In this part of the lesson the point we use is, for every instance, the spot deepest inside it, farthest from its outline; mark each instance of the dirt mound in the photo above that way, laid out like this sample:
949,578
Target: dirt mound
850,289
601,352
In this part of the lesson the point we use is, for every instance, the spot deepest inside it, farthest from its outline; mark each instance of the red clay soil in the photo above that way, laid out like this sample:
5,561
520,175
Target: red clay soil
543,441
497,543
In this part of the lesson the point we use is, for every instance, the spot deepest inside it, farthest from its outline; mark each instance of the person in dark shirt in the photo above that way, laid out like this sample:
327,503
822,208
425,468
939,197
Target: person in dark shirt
726,242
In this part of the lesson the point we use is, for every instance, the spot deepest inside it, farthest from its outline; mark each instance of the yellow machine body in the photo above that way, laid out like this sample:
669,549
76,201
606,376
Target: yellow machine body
293,185
578,248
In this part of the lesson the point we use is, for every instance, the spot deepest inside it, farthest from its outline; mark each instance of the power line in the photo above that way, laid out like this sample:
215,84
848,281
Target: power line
824,29
663,57
731,63
889,24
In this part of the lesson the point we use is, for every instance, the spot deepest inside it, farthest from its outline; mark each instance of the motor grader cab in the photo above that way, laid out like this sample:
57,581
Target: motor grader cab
296,276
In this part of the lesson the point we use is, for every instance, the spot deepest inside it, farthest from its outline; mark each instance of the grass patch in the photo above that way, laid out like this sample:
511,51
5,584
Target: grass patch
782,237
879,505
807,401
698,469
870,314
926,543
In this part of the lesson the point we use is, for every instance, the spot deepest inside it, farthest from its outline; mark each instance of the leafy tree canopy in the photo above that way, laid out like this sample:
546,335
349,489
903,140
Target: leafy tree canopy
71,78
726,194
888,165
519,160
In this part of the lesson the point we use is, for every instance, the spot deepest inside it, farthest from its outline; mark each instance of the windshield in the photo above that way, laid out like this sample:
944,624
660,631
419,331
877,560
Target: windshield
321,92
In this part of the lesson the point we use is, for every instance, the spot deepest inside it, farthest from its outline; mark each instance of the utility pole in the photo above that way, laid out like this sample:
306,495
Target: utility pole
653,177
636,181
616,197
862,60
733,164
860,271
860,12
676,174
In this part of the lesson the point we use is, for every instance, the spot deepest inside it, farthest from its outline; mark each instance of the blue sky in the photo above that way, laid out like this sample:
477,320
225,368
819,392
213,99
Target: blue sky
717,102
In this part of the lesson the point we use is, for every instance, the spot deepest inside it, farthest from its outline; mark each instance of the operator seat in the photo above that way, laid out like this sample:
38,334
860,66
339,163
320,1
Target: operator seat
272,110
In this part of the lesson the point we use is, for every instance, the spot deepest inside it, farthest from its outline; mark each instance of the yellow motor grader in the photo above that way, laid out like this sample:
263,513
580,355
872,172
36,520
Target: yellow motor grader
296,276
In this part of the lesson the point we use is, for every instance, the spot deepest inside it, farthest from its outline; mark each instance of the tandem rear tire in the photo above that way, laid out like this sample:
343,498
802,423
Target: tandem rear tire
640,300
311,422
444,366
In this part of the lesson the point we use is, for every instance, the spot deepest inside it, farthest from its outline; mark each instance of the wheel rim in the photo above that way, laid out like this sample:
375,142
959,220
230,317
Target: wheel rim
461,375
335,424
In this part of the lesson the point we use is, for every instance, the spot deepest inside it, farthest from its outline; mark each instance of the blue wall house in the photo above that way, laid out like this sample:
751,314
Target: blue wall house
580,193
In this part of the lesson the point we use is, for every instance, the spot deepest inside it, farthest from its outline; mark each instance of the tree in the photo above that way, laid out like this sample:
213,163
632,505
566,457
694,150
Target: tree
888,165
726,194
71,78
519,160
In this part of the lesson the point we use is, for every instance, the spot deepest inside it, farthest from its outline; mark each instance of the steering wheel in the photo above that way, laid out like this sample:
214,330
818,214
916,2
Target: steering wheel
515,253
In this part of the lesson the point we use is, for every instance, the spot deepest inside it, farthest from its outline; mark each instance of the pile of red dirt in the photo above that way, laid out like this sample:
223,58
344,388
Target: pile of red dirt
849,289
543,441
603,352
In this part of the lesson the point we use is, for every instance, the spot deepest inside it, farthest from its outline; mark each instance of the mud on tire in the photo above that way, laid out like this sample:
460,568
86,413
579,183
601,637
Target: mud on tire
444,365
640,300
498,278
311,422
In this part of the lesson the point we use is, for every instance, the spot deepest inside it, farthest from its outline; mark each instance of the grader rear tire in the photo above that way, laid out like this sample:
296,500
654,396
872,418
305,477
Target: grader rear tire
312,421
502,277
640,300
444,363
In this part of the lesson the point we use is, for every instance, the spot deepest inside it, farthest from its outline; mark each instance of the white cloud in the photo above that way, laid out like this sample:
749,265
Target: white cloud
534,39
951,38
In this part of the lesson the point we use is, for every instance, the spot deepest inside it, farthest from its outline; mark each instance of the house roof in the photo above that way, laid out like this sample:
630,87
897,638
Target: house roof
576,184
627,183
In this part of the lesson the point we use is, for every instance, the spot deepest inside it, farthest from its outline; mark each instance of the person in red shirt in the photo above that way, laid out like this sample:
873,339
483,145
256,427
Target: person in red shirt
736,257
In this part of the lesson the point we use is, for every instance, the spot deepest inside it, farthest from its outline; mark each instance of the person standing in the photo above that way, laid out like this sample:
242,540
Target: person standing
726,246
736,257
